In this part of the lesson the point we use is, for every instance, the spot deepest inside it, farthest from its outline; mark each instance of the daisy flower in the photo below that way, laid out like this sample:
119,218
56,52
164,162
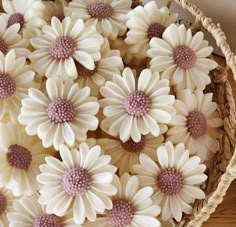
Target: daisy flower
109,64
61,44
20,157
108,16
132,111
54,9
132,206
10,39
181,57
28,212
63,116
28,13
6,205
175,179
15,79
144,23
196,123
125,155
82,180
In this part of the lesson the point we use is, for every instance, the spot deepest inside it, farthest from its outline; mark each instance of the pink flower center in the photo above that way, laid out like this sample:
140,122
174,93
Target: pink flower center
19,157
3,47
3,203
84,72
196,124
133,147
16,18
7,86
62,48
100,10
60,111
184,57
121,214
76,181
170,181
48,220
137,104
155,30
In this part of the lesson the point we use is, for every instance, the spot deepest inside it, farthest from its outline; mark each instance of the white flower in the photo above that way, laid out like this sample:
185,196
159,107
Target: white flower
15,79
61,44
28,212
20,157
64,116
181,57
175,179
196,123
134,109
82,181
132,206
146,22
108,16
28,13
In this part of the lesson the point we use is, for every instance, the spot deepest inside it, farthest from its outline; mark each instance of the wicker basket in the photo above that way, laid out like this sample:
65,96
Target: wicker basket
222,167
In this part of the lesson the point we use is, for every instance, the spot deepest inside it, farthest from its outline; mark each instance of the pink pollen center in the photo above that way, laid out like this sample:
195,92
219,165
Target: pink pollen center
3,47
60,111
16,18
76,181
155,30
19,157
3,203
133,147
7,86
121,214
100,10
170,181
48,220
62,48
196,124
184,57
137,104
84,72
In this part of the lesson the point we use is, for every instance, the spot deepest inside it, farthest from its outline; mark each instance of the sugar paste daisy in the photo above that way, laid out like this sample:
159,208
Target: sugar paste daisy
108,16
28,212
132,206
15,80
132,111
196,123
28,13
61,44
175,179
144,23
63,116
109,64
182,57
20,156
82,181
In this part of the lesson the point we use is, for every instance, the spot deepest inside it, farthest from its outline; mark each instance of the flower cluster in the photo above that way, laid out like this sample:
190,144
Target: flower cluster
104,117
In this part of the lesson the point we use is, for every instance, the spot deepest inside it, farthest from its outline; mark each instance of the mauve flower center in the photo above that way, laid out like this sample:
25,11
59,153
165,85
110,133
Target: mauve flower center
16,18
170,181
7,86
62,48
3,47
133,147
137,104
3,203
155,30
184,57
100,10
196,124
48,220
76,181
84,72
19,157
61,110
121,214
